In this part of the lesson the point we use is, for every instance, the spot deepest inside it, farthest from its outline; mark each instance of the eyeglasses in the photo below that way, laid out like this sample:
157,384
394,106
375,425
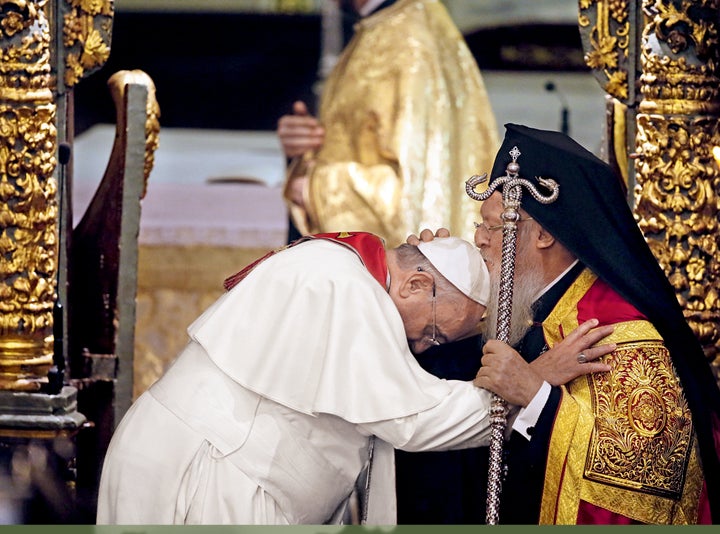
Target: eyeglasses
494,227
433,341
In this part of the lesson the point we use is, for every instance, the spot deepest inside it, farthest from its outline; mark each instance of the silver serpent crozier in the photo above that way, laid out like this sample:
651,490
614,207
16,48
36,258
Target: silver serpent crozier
512,186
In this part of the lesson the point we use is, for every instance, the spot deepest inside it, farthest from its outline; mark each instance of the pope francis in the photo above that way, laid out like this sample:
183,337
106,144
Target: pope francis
300,376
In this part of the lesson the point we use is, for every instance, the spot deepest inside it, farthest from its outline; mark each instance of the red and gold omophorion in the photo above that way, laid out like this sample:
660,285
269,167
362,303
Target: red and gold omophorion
622,448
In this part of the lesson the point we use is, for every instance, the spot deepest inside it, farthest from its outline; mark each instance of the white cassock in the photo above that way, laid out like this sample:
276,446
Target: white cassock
267,415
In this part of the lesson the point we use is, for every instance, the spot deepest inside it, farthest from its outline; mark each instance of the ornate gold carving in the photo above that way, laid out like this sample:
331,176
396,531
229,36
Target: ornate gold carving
643,431
678,179
28,209
686,24
607,32
87,33
676,86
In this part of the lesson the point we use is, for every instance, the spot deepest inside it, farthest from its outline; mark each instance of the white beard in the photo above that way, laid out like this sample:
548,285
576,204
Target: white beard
527,286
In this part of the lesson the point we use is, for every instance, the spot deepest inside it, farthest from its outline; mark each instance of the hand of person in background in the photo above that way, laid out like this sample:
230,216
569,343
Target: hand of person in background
300,132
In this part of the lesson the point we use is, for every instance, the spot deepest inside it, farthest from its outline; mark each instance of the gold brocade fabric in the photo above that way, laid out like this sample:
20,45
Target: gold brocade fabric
623,440
407,121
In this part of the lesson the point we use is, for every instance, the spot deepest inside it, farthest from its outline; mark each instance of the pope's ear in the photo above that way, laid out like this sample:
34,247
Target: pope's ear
417,282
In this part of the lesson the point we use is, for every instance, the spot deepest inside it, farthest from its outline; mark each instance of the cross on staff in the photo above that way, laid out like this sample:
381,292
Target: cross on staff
512,188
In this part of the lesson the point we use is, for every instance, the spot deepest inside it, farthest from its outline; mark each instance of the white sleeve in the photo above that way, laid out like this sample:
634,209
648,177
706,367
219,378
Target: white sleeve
461,420
528,416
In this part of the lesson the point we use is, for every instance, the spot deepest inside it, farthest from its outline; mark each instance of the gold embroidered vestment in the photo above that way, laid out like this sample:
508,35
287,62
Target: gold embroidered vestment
622,441
407,120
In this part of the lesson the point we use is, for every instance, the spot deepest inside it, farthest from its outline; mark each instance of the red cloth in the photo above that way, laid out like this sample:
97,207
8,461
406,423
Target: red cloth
589,514
369,248
603,303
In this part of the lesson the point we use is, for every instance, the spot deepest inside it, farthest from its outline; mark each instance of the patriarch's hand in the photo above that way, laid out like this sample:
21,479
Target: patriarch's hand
427,235
561,364
507,374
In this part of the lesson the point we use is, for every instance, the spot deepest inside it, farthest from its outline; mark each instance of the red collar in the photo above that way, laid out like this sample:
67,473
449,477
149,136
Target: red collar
369,248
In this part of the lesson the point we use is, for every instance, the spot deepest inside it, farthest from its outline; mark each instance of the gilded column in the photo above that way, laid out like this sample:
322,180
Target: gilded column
32,32
678,182
610,33
28,208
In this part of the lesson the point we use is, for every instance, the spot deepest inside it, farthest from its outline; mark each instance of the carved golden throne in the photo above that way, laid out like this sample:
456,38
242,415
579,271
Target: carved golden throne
67,297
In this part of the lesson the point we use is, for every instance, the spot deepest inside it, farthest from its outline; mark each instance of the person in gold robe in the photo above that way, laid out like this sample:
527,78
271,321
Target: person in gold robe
404,120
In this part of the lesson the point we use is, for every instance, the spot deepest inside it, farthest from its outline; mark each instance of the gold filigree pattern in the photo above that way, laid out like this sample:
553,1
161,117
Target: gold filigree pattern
607,31
643,431
677,177
686,24
637,406
87,32
676,86
28,208
647,416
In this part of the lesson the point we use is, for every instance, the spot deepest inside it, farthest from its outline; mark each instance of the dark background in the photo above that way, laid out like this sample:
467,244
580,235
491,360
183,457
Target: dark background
242,71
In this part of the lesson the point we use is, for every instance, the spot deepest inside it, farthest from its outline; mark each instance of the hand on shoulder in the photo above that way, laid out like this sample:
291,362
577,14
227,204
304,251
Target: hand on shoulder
576,354
507,374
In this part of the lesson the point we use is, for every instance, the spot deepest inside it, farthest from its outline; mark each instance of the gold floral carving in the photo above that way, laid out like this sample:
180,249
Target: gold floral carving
87,32
643,432
677,177
607,32
28,208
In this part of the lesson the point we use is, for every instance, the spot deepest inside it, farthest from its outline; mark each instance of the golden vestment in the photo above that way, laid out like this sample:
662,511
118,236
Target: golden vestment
622,441
407,120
